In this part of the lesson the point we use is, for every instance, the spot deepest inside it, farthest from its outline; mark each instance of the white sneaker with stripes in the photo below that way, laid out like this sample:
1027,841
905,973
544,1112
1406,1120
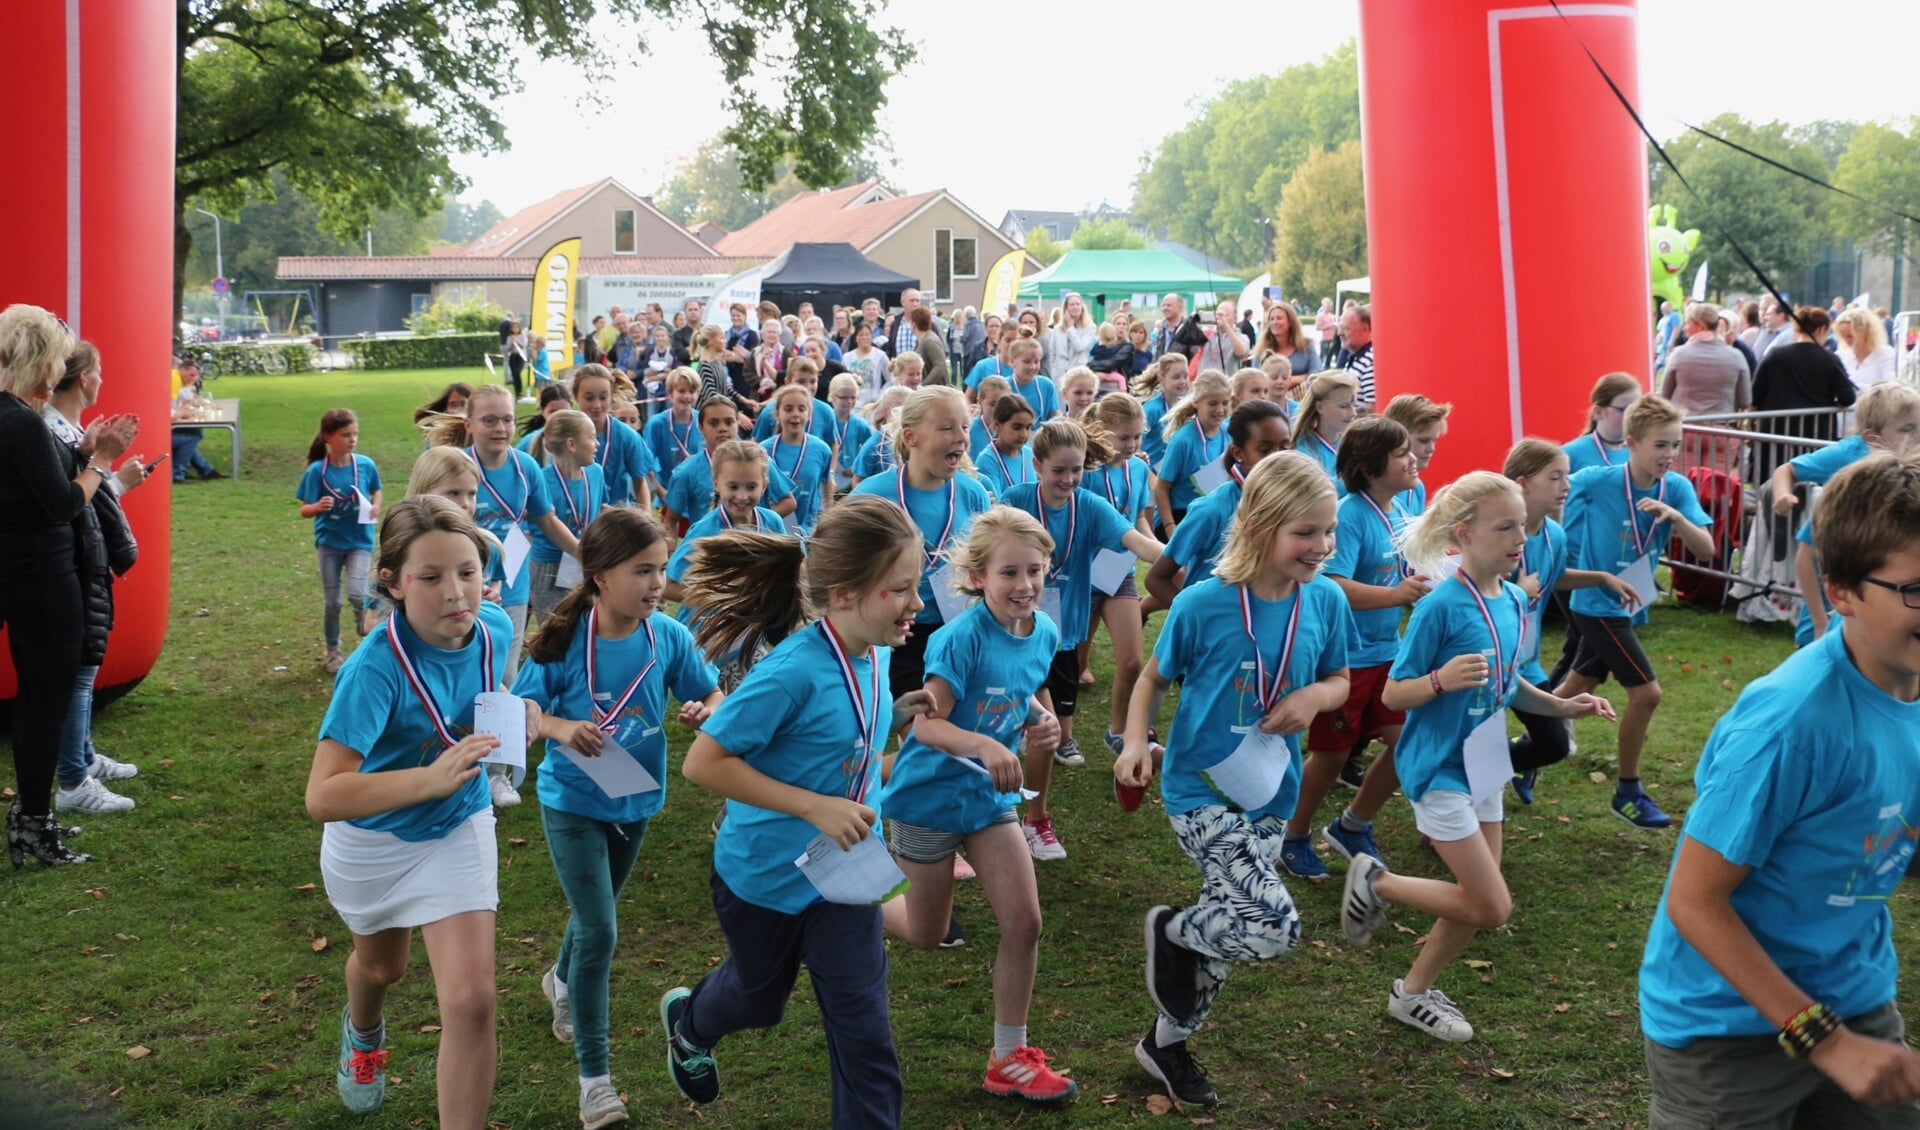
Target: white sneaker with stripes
1431,1012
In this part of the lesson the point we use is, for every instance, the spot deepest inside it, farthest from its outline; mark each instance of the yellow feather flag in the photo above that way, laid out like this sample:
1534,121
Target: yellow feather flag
1003,282
555,278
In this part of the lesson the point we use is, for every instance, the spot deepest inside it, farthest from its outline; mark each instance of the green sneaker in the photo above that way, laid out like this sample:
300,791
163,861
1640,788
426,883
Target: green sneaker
362,1077
693,1069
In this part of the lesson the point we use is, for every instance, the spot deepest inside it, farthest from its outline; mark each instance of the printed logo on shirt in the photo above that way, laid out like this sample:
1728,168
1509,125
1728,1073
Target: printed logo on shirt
1884,855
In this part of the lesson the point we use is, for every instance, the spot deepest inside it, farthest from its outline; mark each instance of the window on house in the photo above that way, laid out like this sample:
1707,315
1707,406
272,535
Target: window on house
966,257
623,235
942,264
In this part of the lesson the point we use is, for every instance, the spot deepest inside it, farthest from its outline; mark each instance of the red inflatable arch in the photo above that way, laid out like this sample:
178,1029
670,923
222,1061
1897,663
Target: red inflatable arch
89,220
1506,213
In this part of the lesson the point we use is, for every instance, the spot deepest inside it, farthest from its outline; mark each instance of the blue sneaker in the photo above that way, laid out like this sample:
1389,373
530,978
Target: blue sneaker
362,1075
693,1069
1301,861
1350,844
1523,785
1638,809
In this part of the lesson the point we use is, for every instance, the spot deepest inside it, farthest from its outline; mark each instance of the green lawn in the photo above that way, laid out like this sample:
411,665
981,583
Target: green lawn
199,933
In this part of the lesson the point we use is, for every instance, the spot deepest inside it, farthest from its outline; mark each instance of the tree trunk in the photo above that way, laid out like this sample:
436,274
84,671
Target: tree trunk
182,247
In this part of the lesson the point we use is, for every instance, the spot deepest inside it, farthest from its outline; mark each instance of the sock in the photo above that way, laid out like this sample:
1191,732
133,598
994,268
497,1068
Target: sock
1400,990
588,1083
559,986
367,1039
1351,823
1165,1035
1628,785
1007,1038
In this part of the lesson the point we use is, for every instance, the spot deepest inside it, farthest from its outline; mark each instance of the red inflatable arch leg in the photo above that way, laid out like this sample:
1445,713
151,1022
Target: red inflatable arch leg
89,106
1506,213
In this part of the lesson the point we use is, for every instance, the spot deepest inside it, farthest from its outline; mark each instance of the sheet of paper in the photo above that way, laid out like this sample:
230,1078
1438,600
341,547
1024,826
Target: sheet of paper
513,553
1009,799
1050,604
1640,576
863,875
1250,777
505,717
1489,762
1449,565
617,772
1110,568
948,599
366,509
569,574
1209,476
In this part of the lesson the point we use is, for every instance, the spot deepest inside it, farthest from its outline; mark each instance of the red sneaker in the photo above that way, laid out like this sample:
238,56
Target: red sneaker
1025,1074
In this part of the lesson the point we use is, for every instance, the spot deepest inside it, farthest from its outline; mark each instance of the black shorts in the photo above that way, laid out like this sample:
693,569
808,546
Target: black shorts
908,668
1609,647
1063,682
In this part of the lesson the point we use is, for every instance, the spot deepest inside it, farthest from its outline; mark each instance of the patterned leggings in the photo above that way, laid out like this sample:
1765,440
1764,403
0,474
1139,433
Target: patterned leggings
1244,912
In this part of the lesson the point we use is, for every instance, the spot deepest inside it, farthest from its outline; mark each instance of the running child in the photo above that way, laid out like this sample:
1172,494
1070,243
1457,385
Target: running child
1163,385
1426,422
804,459
449,473
600,668
673,436
1008,461
1457,670
1603,443
409,840
1081,524
1376,462
1123,482
341,493
795,750
1079,388
1038,391
801,372
690,495
981,434
553,398
1618,521
740,470
578,489
907,370
1259,648
1774,934
1256,430
621,454
1195,443
1326,412
850,429
957,779
1250,385
877,454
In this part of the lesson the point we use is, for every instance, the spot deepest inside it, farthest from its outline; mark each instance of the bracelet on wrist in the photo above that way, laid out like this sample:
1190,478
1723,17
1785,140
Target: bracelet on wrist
1805,1032
1434,678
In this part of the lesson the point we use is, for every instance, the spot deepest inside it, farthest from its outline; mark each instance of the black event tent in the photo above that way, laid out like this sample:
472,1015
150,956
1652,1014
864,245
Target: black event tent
830,274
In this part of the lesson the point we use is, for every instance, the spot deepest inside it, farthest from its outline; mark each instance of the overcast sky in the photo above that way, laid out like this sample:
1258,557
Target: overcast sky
1014,68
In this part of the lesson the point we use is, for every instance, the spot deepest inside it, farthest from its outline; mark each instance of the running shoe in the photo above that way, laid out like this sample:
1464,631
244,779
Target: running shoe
693,1069
1361,909
1069,754
1523,783
1042,844
1025,1075
562,1007
1431,1012
1176,1070
1172,970
1301,861
1638,809
362,1075
1351,844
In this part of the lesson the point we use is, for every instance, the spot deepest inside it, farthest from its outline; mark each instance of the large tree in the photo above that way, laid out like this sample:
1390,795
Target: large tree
711,185
1775,216
362,105
1215,183
1106,235
1882,164
1320,228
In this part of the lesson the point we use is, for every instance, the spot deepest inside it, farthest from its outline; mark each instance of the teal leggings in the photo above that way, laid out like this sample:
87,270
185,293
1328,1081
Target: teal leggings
592,859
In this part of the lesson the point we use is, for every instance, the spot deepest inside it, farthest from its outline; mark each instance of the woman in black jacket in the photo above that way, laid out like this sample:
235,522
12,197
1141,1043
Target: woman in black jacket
43,491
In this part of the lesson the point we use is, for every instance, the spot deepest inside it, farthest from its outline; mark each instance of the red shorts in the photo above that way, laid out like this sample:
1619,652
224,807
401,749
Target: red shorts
1360,719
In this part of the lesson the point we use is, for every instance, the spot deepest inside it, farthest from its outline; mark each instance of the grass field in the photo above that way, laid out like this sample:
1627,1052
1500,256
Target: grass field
199,934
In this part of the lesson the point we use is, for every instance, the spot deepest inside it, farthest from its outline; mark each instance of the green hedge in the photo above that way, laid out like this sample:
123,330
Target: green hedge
438,351
234,357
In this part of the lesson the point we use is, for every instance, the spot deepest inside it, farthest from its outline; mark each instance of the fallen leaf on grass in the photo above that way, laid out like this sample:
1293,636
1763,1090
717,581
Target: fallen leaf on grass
305,887
1404,929
956,982
98,892
165,763
428,1029
139,1051
1499,1073
1726,684
517,841
1563,1007
1597,777
176,798
1475,964
1159,1104
1564,819
320,943
1109,1100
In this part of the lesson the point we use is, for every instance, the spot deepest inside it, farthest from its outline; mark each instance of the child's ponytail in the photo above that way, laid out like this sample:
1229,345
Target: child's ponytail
1429,536
331,421
615,535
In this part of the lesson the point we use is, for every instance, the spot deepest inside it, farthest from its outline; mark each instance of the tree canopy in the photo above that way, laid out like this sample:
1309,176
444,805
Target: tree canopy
1041,246
711,185
1777,217
361,106
1106,235
1320,228
1882,164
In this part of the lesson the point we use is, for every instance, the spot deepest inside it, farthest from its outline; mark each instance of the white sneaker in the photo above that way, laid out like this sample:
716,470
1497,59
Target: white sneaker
502,789
90,796
105,768
1431,1012
1041,842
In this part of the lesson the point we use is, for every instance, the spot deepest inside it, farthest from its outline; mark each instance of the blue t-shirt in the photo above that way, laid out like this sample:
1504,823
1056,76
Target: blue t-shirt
993,675
1822,805
1204,645
929,510
819,423
690,494
1446,623
978,438
623,457
1040,395
876,455
1127,486
1187,452
576,502
672,663
525,443
792,719
810,468
375,713
1602,529
1093,525
987,367
1153,441
1545,556
514,493
1201,535
1413,502
712,522
670,444
849,436
1803,620
340,527
1367,552
1822,464
1588,451
1003,471
1325,454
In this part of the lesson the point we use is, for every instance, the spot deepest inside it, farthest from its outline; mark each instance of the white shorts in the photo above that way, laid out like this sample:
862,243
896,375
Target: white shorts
1446,815
378,881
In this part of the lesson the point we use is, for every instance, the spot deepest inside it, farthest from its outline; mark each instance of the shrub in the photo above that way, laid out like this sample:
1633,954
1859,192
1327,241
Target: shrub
235,357
440,351
472,314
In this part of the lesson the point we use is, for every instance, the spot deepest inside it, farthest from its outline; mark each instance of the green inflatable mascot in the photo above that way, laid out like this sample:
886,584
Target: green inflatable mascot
1668,249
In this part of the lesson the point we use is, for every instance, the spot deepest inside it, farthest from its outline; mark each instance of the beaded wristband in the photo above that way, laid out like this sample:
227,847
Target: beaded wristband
1805,1031
1434,678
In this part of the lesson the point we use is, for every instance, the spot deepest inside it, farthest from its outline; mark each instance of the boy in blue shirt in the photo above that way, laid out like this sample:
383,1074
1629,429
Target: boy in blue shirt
1618,521
1774,934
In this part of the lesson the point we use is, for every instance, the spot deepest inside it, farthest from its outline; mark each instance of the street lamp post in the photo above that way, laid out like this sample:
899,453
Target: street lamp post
219,267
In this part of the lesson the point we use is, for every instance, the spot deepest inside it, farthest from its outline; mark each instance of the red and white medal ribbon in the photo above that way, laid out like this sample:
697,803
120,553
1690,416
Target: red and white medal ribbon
865,718
609,719
686,445
1387,521
1503,672
1006,474
1605,459
586,501
1641,544
1546,535
1063,548
953,496
473,453
1269,687
441,723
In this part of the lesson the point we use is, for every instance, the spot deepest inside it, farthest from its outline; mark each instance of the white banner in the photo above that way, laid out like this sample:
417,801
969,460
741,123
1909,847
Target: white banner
632,292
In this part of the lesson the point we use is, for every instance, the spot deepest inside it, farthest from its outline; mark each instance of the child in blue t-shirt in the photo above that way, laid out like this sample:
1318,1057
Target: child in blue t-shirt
600,668
1326,412
1126,483
578,489
409,840
1256,430
801,373
1259,649
850,429
1038,391
795,750
1774,933
1618,521
980,435
1163,385
1006,460
623,457
1603,443
1426,422
341,493
1376,462
805,460
690,494
1456,672
957,778
740,472
1195,442
673,436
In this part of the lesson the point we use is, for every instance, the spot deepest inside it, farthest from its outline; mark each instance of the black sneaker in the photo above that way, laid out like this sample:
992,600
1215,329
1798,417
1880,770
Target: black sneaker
1172,970
693,1069
1354,772
956,935
1177,1070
